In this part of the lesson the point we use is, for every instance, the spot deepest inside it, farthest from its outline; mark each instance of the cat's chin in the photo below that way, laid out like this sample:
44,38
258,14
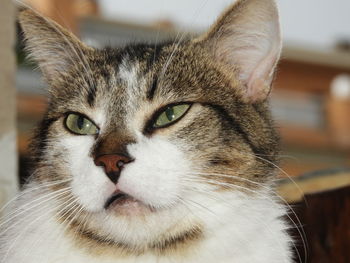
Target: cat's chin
125,205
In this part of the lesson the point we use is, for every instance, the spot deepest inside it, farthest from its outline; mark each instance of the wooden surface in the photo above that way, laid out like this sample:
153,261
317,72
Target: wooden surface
325,220
293,190
319,213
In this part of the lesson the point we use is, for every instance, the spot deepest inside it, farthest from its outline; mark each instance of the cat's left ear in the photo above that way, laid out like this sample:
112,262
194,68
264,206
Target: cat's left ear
247,38
54,48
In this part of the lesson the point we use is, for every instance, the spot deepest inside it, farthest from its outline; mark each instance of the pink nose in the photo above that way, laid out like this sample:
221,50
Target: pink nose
112,164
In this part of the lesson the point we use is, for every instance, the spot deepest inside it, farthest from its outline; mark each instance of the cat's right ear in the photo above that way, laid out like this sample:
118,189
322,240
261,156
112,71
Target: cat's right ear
246,40
54,48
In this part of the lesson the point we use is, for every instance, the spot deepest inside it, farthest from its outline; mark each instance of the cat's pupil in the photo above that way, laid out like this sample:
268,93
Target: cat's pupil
80,122
170,114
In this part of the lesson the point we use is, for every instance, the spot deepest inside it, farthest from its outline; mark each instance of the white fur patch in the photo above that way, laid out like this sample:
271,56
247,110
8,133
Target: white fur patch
135,84
155,175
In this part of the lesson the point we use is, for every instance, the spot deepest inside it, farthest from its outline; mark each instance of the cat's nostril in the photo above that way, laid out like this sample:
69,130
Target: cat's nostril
112,164
120,164
100,164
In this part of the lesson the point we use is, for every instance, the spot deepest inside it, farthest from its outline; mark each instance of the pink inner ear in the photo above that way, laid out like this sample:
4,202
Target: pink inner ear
259,83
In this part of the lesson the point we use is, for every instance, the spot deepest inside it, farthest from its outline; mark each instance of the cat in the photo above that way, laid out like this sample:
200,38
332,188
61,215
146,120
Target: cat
154,153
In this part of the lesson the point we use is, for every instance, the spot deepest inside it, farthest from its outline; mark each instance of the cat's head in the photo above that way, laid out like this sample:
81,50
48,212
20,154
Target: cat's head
142,144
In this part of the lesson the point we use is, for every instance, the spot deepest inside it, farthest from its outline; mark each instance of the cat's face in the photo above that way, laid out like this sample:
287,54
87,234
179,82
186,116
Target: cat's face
150,140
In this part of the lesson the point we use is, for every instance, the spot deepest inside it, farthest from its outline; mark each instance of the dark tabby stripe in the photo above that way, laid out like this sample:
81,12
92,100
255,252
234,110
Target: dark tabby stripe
152,90
193,234
91,95
92,236
223,114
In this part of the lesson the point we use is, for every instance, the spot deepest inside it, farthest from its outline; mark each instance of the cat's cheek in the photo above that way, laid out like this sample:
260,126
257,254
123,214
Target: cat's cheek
149,186
92,189
89,184
156,174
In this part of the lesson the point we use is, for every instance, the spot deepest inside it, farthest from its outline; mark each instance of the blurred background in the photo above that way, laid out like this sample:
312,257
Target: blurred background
310,100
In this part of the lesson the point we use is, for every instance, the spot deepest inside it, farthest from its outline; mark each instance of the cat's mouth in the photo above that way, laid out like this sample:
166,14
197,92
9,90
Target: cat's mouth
124,204
118,199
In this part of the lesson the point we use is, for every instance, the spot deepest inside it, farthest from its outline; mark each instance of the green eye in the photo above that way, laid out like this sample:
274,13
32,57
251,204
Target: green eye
171,114
79,124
